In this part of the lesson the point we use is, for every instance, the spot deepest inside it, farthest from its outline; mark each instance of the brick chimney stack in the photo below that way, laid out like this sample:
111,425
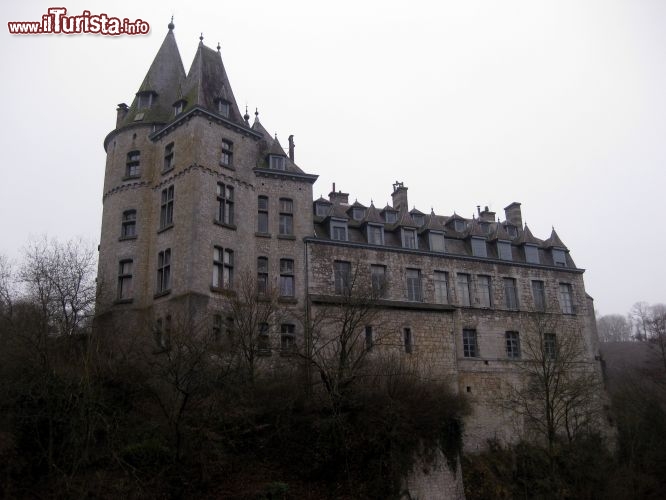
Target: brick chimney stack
291,147
513,214
399,197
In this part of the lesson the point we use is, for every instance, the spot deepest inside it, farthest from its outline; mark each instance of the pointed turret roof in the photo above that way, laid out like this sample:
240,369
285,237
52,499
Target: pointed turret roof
258,127
276,148
554,241
527,238
207,83
163,80
434,223
500,233
475,229
372,215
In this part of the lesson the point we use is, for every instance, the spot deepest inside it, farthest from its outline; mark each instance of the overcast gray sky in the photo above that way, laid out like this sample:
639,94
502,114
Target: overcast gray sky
560,105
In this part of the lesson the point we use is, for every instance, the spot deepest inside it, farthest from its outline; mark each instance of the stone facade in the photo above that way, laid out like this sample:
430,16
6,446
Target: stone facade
195,198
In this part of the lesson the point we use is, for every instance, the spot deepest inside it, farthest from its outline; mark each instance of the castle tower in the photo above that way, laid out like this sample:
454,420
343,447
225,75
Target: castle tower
195,198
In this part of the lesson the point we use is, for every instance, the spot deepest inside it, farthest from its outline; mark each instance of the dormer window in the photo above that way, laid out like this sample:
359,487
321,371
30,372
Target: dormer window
532,254
178,107
375,234
485,227
276,162
459,225
390,216
512,230
559,257
145,100
479,247
436,241
358,213
223,107
418,219
321,209
504,250
339,230
409,238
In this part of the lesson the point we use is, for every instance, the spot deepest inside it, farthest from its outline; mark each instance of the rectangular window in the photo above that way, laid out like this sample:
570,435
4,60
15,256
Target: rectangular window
128,226
263,340
459,225
539,295
225,203
390,216
464,297
441,282
262,275
217,328
166,207
168,156
531,254
375,234
470,346
286,277
559,257
479,247
407,337
414,285
512,345
287,338
227,153
277,162
223,107
286,216
437,242
321,209
504,250
125,280
369,342
378,276
338,230
510,293
409,238
342,277
485,290
223,267
133,165
549,346
164,271
566,299
262,214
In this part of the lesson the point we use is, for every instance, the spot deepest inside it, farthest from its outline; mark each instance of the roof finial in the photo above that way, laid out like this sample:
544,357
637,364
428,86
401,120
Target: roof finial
246,117
201,38
218,46
256,112
171,25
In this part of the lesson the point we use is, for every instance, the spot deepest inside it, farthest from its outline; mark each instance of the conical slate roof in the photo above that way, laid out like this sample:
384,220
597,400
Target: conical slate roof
259,128
527,238
372,215
164,78
554,241
500,233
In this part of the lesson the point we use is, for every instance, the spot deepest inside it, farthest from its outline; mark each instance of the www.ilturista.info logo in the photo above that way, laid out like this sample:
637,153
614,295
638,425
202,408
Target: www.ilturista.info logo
58,22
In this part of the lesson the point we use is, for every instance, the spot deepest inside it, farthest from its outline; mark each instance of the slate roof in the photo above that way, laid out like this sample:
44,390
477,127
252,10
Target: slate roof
527,237
554,241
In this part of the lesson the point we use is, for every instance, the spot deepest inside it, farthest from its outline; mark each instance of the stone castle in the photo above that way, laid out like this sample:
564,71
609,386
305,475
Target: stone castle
195,196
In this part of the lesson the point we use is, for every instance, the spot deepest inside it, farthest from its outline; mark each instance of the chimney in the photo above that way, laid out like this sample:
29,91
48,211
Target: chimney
338,198
513,215
291,147
399,196
486,215
121,110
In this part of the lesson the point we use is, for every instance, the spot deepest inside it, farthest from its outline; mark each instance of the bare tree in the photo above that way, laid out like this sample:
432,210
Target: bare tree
639,315
614,328
656,329
7,292
558,391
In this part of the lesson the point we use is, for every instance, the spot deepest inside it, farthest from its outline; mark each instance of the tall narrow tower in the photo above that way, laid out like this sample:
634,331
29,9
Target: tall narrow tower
195,198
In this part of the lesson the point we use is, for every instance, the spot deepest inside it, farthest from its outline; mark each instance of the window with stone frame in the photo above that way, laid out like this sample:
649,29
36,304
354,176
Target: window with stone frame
166,207
539,295
409,238
227,153
125,279
441,283
338,229
414,288
169,152
342,277
262,275
437,241
464,292
287,338
128,225
470,344
164,271
408,340
512,340
510,293
287,278
262,214
133,165
375,234
549,346
286,225
566,299
225,204
378,277
485,291
223,267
